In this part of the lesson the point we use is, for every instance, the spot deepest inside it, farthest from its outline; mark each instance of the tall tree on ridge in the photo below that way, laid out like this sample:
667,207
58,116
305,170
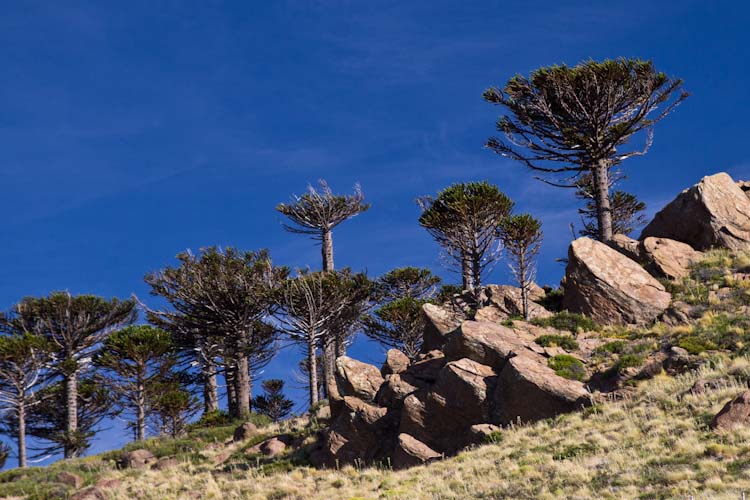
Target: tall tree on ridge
73,327
627,210
464,220
581,117
522,238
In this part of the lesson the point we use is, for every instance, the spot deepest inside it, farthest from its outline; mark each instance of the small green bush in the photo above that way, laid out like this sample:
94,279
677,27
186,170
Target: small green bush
695,344
565,341
574,323
614,347
552,300
628,361
567,366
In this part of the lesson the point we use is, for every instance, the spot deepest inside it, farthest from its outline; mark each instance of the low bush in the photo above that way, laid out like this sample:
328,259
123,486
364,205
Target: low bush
574,323
565,341
567,366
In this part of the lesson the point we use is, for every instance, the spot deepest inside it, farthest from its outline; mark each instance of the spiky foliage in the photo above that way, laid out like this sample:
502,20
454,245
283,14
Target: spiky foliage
317,308
135,360
73,327
628,214
23,357
402,282
318,211
219,301
171,407
522,238
568,121
273,403
464,219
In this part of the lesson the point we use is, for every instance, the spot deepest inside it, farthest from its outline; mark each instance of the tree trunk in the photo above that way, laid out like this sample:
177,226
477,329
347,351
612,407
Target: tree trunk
327,250
210,387
242,387
603,209
71,424
329,363
466,272
231,395
313,372
22,434
141,422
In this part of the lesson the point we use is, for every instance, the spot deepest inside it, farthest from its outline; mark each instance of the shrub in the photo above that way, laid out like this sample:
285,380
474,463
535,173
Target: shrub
213,419
565,341
614,347
567,366
628,361
574,323
552,300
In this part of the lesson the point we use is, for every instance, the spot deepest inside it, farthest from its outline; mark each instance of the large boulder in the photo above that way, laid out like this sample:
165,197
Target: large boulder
509,301
355,378
395,389
486,343
713,213
137,459
528,390
609,287
361,431
410,451
395,362
244,431
626,246
667,258
439,323
736,413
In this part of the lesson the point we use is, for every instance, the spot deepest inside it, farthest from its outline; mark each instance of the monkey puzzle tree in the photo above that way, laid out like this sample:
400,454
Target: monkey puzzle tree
135,359
403,282
73,327
316,307
23,358
464,220
627,210
568,121
522,238
224,295
273,403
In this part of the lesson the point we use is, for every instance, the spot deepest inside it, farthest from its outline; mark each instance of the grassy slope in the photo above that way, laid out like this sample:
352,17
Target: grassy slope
654,444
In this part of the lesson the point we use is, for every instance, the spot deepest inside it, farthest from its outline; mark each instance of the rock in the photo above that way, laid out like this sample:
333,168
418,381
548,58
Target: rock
137,459
678,313
322,412
713,213
486,343
395,362
440,322
702,385
165,463
480,433
626,246
272,447
508,300
745,187
410,452
736,413
395,389
355,378
490,314
414,416
88,493
245,431
73,480
105,484
667,258
426,369
360,432
529,391
461,392
610,288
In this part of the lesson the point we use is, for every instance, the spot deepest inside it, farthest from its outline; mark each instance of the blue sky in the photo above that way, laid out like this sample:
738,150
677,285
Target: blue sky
132,131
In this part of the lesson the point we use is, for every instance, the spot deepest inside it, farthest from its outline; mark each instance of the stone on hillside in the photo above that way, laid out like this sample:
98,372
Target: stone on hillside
480,433
165,463
395,362
713,213
667,258
609,287
108,483
244,431
272,447
137,459
73,480
461,390
529,391
508,300
414,416
361,431
427,367
440,322
486,343
410,452
490,314
88,493
395,389
626,246
736,413
355,378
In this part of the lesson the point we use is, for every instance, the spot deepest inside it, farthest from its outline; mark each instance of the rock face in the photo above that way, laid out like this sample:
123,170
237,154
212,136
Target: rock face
137,459
395,362
73,480
244,431
667,258
713,213
355,378
609,287
487,375
626,246
440,322
735,413
507,300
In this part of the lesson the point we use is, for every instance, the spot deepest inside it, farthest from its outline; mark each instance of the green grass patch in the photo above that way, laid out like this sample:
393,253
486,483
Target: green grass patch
565,341
567,366
574,323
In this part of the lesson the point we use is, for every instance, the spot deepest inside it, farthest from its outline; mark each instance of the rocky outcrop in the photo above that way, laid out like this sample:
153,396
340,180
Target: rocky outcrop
507,301
410,451
439,323
358,379
667,258
244,431
713,213
609,287
490,344
626,246
137,459
736,413
395,362
73,480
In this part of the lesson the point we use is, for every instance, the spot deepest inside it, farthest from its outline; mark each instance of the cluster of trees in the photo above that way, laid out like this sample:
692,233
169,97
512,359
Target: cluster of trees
67,362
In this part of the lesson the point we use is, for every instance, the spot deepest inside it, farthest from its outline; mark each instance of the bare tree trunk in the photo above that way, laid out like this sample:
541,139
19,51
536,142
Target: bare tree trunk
327,250
329,363
312,363
22,434
71,425
523,281
603,209
210,387
466,272
141,422
242,387
231,395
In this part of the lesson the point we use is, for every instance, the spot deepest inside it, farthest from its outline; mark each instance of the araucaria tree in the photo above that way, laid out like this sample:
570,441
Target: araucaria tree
23,358
566,121
221,298
317,308
318,211
464,220
627,210
273,403
136,360
73,327
522,238
399,322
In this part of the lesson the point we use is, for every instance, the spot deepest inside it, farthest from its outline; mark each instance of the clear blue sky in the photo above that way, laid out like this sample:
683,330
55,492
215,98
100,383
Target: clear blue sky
132,131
